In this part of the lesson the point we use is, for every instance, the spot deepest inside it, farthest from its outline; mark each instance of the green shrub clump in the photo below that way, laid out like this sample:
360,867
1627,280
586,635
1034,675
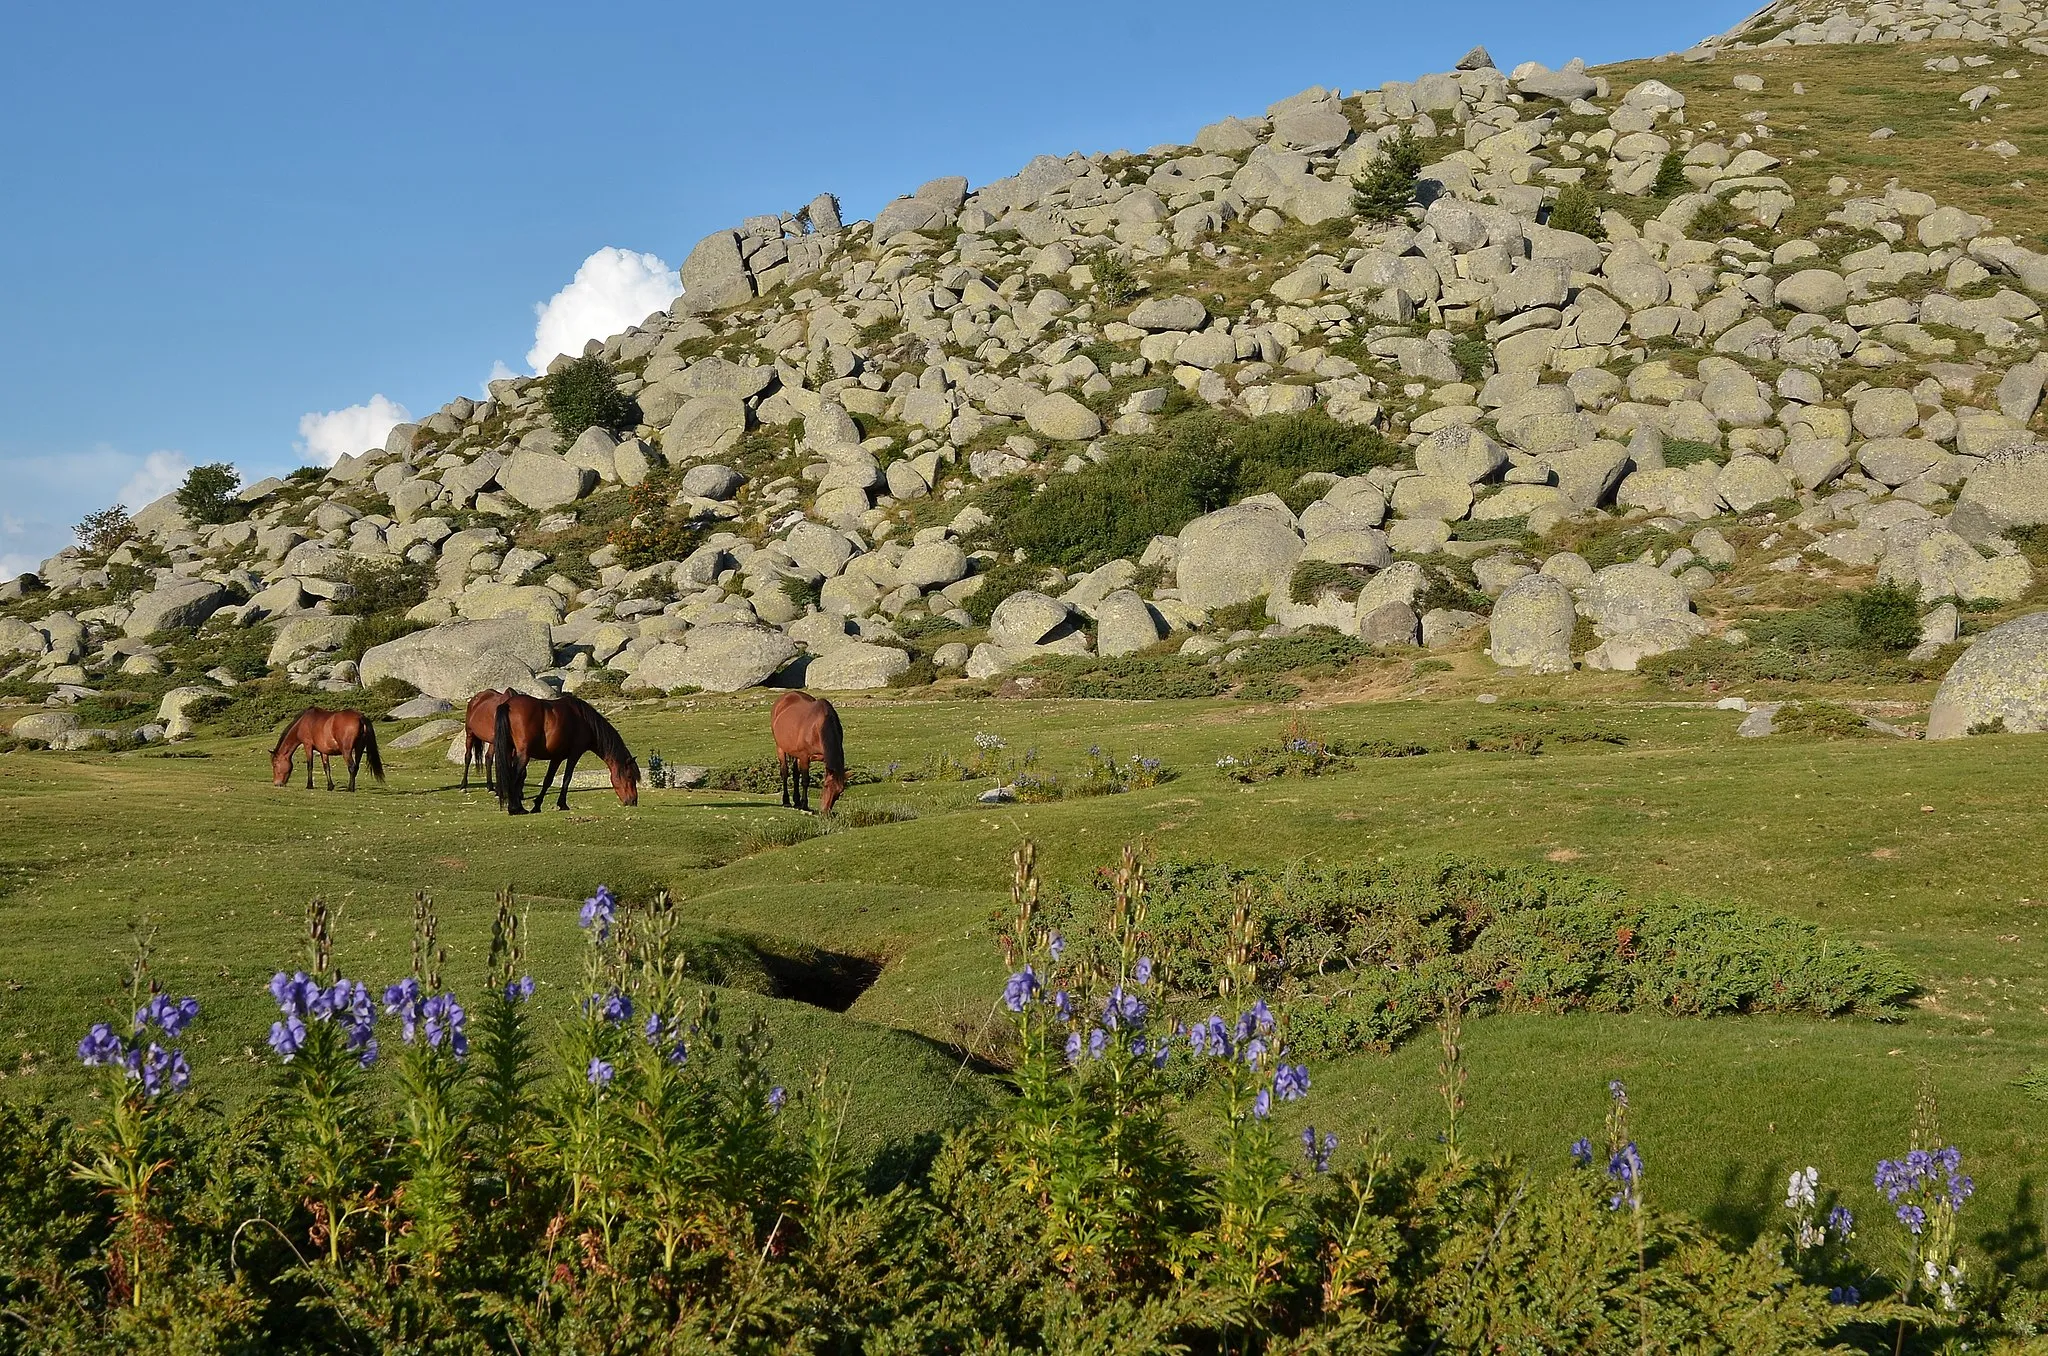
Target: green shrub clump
1386,189
1576,211
1156,485
101,532
1852,636
389,585
1671,180
586,394
208,494
1364,956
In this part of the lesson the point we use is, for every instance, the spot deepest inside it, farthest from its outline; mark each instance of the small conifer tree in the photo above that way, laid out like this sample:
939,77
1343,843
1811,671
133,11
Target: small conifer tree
1386,190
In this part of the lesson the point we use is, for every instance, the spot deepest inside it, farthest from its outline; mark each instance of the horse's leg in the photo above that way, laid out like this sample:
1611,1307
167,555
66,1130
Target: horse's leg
803,783
311,758
568,775
782,774
513,786
468,753
545,783
353,759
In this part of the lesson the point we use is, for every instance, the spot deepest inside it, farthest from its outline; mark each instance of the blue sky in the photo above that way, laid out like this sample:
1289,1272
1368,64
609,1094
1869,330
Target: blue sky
223,218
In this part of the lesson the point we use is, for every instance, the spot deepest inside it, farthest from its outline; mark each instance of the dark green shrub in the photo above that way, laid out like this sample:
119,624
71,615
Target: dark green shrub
1887,616
1363,956
1312,578
377,629
1133,677
1820,720
1688,452
586,394
1671,180
1115,279
389,585
101,532
1714,220
1576,211
1155,486
208,494
1246,616
1315,650
1386,189
1473,353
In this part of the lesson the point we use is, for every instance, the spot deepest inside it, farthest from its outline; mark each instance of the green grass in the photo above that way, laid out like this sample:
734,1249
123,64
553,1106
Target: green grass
1831,833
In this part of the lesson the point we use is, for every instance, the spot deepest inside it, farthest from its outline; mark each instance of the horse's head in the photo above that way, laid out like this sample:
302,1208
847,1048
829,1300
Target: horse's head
626,781
280,766
835,782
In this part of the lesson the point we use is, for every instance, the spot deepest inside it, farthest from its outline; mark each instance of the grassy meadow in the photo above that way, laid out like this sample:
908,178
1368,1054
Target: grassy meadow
1935,853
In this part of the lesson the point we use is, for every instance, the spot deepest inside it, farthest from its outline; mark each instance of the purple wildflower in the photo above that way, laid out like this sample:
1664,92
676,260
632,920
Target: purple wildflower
519,989
101,1046
1318,1150
1098,1041
1021,989
1063,1005
1290,1082
1841,1223
776,1097
402,1000
1626,1168
1074,1047
1057,946
167,1016
598,911
1913,1217
599,1073
610,1007
1122,1008
1582,1152
1141,973
1619,1092
1262,1105
1845,1294
445,1021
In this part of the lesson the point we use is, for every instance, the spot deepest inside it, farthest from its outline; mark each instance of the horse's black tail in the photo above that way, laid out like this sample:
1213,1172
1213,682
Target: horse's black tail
502,753
834,740
370,750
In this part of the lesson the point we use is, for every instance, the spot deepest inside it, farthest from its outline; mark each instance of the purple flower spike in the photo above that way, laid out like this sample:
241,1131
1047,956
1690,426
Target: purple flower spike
1074,1048
598,911
1022,988
776,1097
1098,1041
101,1046
519,989
1262,1105
1582,1152
1141,973
1057,946
1290,1082
599,1073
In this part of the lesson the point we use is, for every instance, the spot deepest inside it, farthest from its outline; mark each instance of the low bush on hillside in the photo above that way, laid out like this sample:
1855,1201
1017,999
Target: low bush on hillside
585,394
632,1172
1156,485
1133,677
1577,211
1365,956
386,585
1858,636
1820,720
1303,751
1384,191
262,707
653,531
102,531
379,629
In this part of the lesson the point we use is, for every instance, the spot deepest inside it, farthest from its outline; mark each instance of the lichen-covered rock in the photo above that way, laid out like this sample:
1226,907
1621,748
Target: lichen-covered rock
1532,626
859,666
722,657
1237,554
1125,623
459,659
187,602
2003,677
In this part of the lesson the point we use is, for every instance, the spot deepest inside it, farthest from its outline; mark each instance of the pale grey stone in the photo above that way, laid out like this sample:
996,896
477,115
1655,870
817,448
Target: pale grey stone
1532,626
2003,677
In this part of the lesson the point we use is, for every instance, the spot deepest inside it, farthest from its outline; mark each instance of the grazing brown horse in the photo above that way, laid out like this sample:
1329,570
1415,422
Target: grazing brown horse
323,734
561,731
480,722
807,728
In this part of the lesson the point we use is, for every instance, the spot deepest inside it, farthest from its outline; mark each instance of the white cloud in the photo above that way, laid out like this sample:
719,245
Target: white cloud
46,492
159,474
329,437
613,289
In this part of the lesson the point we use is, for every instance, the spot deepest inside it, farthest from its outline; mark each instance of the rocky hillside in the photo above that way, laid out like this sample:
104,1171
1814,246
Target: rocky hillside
1623,385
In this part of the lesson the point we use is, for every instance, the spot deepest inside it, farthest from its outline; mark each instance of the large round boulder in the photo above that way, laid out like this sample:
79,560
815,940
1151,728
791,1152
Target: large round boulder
44,727
1532,626
1124,623
542,480
1237,554
187,602
723,657
932,565
2003,677
1026,619
1061,417
459,659
856,667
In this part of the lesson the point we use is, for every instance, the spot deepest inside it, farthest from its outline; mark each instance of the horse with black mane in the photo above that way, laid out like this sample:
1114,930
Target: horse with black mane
323,734
807,729
561,731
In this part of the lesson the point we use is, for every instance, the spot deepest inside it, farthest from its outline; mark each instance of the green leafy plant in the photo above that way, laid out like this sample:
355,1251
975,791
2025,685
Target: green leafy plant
99,533
1115,279
585,394
208,494
1386,189
1887,615
1670,180
1472,351
1576,210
